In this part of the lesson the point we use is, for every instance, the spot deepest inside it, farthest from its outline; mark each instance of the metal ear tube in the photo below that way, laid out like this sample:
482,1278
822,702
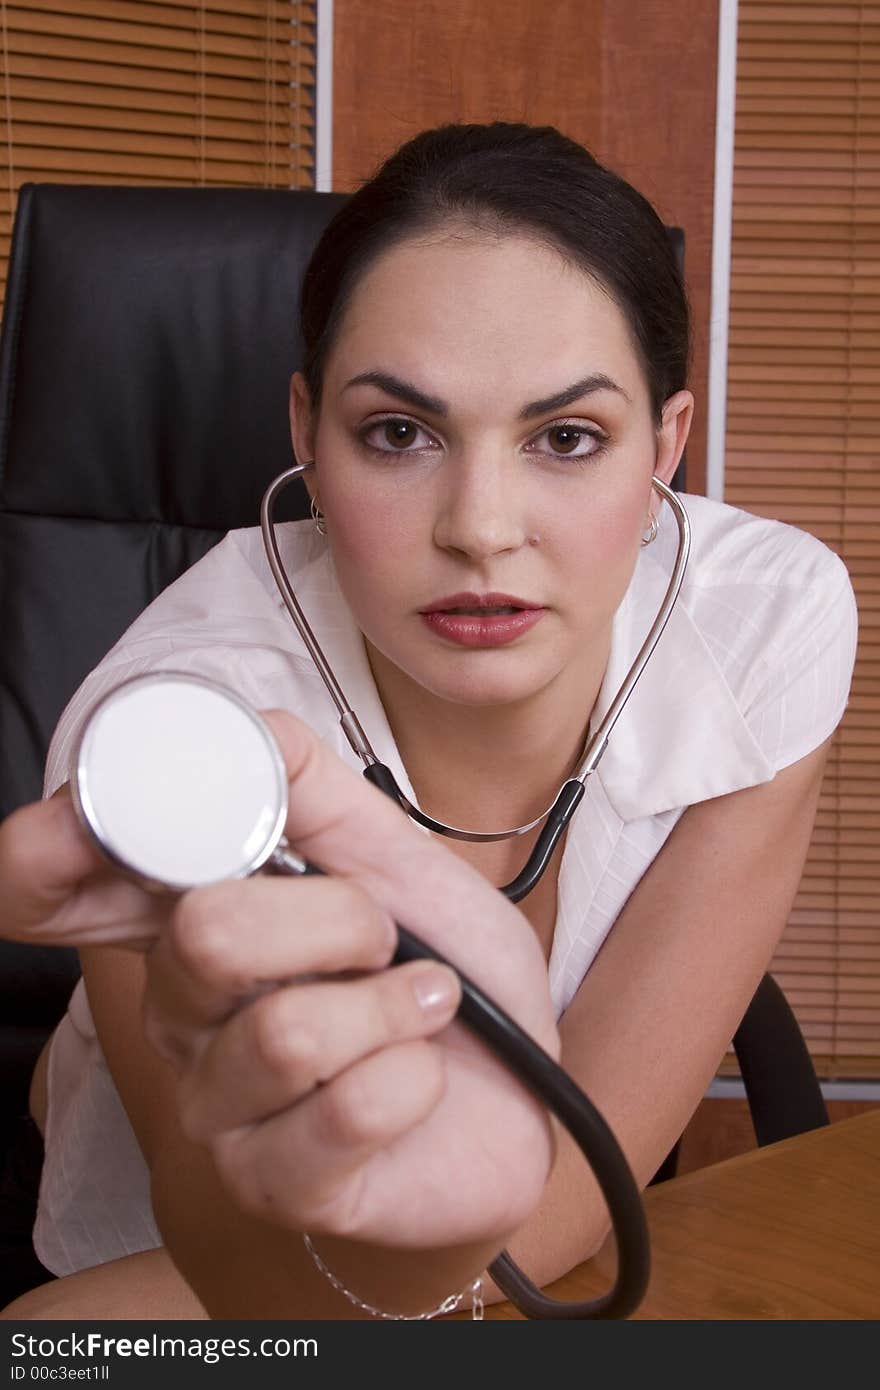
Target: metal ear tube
557,816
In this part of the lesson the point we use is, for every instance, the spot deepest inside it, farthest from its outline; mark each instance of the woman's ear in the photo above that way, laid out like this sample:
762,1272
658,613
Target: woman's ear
302,426
675,425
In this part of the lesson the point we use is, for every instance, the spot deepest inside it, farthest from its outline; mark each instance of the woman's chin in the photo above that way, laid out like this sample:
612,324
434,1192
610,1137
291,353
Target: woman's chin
470,678
482,690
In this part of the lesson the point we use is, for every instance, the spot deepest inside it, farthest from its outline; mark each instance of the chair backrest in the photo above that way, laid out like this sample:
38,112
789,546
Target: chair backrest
148,339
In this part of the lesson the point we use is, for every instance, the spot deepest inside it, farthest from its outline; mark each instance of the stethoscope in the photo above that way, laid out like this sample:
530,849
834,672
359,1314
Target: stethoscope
558,815
211,804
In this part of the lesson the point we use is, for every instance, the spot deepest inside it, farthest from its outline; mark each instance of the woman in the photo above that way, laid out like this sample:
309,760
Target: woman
497,348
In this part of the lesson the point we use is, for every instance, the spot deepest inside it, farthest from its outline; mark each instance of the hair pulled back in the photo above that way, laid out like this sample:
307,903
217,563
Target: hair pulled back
513,178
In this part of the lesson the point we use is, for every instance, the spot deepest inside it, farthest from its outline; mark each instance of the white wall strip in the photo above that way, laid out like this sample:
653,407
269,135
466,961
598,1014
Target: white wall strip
721,233
731,1088
324,99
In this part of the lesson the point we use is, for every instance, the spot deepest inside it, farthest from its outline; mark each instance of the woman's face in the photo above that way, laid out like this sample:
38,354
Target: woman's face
485,442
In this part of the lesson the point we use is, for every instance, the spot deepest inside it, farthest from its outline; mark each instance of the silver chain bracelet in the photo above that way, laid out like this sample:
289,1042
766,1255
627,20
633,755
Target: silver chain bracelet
448,1305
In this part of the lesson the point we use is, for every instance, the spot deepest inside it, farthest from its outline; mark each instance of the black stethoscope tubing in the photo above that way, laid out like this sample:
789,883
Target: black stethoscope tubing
547,1080
565,1099
534,1067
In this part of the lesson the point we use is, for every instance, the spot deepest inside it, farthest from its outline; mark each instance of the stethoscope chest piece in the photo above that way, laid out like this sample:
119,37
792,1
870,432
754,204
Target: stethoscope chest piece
181,783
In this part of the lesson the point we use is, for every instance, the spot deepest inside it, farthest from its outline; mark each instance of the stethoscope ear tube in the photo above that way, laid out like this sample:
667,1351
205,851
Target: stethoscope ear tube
556,816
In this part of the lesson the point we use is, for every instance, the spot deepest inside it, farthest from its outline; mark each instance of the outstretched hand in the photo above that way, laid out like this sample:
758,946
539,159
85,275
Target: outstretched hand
335,1093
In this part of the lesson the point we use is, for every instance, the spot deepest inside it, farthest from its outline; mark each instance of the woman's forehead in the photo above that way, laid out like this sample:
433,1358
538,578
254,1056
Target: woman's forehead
467,310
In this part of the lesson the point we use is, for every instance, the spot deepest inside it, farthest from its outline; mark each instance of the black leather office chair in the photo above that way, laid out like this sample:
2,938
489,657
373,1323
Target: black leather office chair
148,338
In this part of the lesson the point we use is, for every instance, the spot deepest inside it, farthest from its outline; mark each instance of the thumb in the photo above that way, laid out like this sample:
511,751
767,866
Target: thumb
44,857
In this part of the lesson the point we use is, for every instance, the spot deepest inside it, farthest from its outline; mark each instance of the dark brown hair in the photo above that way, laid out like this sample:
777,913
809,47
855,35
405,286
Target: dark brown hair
517,178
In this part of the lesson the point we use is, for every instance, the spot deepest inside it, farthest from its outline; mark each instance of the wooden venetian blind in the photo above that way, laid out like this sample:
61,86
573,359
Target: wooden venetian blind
128,91
802,440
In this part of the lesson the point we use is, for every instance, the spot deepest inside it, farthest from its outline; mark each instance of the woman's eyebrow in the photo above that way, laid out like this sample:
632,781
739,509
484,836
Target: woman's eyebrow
403,390
406,391
597,381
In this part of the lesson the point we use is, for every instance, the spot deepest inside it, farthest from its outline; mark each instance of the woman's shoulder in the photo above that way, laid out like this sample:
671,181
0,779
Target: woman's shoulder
775,608
765,595
735,547
751,673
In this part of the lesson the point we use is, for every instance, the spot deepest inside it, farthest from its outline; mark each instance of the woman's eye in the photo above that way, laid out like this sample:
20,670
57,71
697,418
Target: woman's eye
571,440
396,435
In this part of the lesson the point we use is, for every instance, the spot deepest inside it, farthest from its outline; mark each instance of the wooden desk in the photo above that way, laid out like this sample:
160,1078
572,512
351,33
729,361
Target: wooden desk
789,1231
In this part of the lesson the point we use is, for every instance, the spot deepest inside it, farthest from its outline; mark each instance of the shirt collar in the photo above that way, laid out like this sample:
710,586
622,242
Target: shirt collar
682,737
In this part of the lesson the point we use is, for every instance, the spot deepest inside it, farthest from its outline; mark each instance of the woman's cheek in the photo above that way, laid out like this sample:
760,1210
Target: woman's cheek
377,530
372,561
602,555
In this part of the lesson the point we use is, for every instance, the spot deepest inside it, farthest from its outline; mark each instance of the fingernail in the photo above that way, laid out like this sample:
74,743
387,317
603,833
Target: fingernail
435,990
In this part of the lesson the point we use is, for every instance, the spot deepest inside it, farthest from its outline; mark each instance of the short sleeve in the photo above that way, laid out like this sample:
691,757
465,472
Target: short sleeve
217,621
805,694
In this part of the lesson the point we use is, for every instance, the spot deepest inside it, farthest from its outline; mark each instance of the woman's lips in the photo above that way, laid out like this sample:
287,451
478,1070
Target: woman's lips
481,620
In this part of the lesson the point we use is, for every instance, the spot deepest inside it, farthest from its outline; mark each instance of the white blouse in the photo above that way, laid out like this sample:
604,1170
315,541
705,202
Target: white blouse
751,674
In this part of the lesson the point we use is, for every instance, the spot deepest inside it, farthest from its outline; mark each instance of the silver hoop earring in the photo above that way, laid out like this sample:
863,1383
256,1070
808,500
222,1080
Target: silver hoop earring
318,518
651,535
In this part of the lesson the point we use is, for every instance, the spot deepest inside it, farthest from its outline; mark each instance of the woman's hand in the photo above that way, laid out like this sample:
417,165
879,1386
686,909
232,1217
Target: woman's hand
330,1099
56,889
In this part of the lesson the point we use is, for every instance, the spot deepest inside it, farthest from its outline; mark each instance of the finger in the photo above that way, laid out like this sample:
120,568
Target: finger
228,940
333,1133
279,1049
45,856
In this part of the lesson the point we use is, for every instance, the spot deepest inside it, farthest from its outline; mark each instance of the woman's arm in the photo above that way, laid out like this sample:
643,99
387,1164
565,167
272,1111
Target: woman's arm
655,1013
240,1265
643,1037
145,1286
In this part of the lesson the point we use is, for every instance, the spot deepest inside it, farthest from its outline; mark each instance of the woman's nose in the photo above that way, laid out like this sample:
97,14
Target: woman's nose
482,509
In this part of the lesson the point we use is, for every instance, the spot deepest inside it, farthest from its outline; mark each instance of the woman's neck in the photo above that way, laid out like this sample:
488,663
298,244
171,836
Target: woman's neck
486,768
